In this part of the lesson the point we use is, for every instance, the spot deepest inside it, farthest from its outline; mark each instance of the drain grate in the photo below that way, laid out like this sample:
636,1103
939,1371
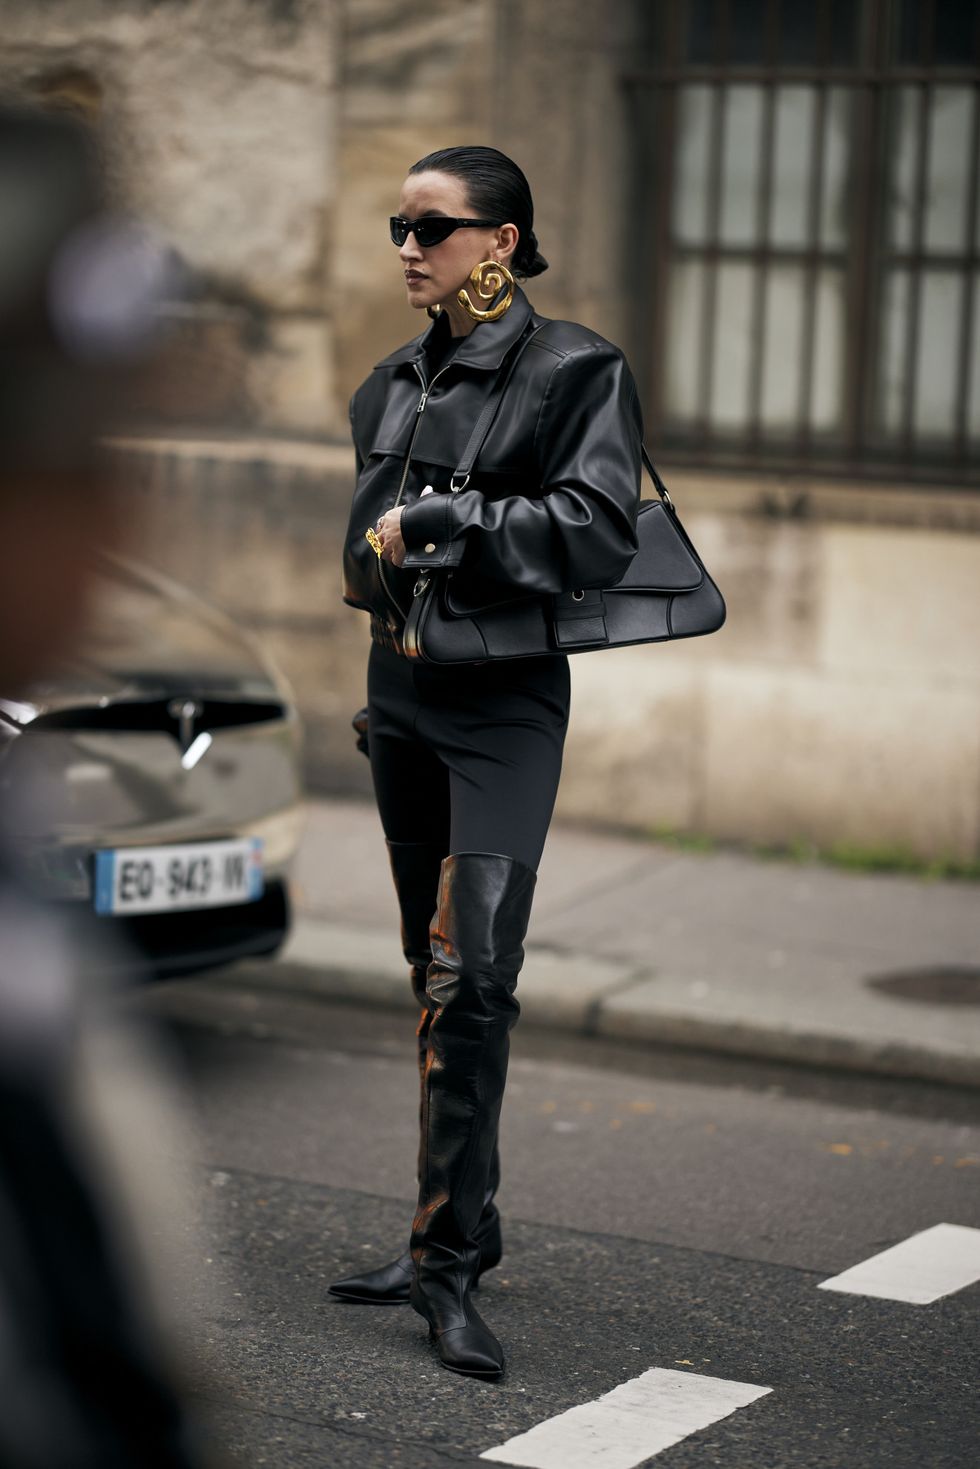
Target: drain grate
939,984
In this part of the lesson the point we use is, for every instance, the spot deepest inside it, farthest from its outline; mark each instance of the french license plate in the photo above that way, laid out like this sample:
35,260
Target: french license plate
192,875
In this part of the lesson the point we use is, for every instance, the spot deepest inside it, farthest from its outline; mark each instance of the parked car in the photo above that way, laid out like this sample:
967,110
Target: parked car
153,785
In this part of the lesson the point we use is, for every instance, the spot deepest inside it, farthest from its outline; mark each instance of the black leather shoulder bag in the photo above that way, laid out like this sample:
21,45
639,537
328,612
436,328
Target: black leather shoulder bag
665,592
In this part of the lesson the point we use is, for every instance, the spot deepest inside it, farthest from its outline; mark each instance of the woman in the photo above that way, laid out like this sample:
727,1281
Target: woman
465,759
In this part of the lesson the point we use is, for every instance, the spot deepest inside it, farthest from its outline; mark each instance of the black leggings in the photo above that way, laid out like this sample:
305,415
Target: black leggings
468,755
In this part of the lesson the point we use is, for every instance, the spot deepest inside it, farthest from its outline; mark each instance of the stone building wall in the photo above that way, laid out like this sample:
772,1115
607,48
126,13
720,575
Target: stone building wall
411,80
838,706
218,123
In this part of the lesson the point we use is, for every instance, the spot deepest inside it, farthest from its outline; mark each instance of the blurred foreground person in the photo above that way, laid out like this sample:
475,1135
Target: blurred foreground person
89,1105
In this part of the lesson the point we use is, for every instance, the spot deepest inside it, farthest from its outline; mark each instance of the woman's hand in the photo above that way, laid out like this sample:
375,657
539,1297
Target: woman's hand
390,534
389,531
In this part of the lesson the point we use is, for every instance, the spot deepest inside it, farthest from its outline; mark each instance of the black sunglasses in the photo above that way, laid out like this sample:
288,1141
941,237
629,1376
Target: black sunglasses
431,229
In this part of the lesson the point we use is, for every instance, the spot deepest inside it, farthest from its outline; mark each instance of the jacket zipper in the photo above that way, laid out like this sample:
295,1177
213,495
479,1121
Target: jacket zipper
420,409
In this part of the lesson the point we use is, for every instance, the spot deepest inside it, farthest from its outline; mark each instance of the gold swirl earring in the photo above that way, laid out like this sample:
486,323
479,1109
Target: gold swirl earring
488,277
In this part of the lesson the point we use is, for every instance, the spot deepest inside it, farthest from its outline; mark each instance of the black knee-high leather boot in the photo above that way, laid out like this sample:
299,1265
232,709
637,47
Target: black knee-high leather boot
477,942
415,868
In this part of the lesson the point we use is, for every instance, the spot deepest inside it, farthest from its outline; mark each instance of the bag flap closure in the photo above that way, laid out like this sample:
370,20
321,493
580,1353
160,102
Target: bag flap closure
461,600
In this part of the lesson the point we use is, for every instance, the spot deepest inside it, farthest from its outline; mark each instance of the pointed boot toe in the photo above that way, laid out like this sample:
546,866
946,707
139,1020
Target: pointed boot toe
386,1286
471,1349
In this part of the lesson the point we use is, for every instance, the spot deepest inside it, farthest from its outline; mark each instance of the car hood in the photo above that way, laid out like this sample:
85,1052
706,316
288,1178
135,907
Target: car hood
148,637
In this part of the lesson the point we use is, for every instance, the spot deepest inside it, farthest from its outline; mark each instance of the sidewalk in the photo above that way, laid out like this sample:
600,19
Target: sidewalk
637,940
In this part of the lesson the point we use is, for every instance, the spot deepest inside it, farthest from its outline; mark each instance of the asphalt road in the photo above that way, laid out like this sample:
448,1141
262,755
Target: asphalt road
661,1210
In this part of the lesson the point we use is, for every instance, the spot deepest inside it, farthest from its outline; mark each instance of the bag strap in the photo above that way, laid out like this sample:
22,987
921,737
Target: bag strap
483,423
490,407
659,485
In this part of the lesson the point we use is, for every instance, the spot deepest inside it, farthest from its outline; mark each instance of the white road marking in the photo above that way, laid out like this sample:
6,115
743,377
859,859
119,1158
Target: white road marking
919,1270
629,1424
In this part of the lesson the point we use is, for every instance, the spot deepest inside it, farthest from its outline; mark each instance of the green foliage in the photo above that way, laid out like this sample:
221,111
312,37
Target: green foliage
849,855
689,841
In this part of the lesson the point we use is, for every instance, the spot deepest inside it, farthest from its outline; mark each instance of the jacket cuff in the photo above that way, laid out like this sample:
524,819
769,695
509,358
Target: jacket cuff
427,519
427,529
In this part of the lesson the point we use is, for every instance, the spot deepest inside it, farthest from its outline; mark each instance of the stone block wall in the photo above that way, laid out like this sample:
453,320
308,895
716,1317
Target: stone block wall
217,118
411,81
838,705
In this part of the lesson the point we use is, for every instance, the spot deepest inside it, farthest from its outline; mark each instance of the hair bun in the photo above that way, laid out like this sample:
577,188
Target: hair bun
536,262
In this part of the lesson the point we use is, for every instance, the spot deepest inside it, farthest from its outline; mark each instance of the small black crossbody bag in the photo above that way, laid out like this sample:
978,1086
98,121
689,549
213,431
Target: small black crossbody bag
666,591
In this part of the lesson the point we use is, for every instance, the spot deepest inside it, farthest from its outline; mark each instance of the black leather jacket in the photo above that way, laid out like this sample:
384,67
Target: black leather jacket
552,501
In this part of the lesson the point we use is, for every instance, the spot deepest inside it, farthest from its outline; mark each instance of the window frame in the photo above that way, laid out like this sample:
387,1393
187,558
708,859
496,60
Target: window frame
873,77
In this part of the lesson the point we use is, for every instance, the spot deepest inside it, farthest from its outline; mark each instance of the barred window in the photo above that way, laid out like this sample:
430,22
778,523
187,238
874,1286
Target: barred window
811,242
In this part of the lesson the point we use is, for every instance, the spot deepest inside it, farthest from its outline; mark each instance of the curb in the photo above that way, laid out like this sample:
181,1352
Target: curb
598,998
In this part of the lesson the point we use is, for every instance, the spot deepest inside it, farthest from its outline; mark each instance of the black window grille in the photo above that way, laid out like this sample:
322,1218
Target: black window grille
808,247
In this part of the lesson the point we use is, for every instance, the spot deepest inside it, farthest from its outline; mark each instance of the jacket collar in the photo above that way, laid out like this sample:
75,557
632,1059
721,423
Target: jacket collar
485,345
